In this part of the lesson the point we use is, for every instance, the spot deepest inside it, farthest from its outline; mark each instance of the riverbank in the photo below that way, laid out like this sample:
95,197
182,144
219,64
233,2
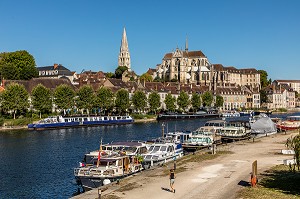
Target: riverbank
222,177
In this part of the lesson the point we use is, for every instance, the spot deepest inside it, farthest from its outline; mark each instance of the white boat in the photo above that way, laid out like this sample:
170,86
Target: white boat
203,137
231,114
263,125
112,162
162,152
235,130
106,169
53,122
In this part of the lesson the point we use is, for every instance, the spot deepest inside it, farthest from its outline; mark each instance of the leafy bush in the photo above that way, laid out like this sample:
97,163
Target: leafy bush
1,121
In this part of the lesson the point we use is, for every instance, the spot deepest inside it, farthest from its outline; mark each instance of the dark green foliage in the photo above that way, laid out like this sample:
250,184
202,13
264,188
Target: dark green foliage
196,101
119,71
154,101
139,100
207,98
170,102
15,98
41,99
17,65
64,97
146,77
183,100
122,100
110,75
1,121
104,99
85,98
219,101
263,78
263,96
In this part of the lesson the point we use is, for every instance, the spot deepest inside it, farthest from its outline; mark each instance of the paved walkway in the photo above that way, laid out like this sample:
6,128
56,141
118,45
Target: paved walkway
222,177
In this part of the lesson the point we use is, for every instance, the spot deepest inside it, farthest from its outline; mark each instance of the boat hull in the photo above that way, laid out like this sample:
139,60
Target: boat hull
186,116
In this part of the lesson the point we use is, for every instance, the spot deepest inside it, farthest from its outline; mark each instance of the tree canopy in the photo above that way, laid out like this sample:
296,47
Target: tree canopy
263,78
119,71
17,65
104,99
85,98
207,98
170,102
15,98
139,100
183,100
64,97
41,99
122,100
146,77
154,101
219,101
196,101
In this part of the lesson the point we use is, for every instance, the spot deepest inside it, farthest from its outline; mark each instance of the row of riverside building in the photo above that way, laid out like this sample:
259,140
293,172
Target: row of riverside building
180,70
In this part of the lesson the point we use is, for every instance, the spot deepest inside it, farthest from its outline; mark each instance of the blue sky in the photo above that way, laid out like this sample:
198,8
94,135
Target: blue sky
261,34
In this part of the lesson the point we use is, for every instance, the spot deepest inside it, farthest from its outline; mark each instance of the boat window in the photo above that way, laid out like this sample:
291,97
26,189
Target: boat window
163,148
151,148
156,148
148,156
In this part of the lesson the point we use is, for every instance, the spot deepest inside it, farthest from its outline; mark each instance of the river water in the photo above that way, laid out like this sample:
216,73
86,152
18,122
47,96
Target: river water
39,164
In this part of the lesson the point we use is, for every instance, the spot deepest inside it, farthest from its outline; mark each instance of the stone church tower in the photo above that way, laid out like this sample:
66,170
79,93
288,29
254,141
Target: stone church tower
124,55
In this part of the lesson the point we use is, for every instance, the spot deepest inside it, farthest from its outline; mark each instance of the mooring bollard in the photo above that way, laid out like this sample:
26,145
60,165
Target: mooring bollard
99,193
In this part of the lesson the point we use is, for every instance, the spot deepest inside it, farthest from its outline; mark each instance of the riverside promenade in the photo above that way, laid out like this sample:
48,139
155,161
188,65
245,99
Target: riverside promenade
222,177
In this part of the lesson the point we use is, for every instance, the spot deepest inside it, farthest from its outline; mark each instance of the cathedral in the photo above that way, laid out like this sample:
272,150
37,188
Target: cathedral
124,55
185,66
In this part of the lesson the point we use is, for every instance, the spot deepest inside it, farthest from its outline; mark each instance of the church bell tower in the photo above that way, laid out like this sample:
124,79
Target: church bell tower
124,55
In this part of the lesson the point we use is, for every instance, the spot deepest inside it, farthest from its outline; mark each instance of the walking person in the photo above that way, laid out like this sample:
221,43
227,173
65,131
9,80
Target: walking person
172,179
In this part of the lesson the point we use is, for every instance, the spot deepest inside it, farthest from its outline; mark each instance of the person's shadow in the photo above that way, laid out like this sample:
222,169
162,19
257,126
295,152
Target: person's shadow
166,189
244,183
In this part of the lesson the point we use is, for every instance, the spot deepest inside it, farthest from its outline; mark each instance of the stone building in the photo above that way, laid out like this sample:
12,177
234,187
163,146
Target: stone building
185,66
56,71
124,55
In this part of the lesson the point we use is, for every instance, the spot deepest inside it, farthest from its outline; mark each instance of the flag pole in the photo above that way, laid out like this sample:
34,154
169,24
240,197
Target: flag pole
99,154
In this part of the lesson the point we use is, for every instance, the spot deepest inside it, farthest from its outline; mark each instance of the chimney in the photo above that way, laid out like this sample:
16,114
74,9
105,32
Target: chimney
55,66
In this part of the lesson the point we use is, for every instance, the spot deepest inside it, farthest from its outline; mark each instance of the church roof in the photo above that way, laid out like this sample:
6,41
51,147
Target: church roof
188,54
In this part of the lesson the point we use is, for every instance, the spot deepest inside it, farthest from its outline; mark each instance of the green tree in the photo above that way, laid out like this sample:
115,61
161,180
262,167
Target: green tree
183,100
219,101
139,100
85,98
196,101
207,98
170,102
146,77
22,60
64,97
15,98
294,144
263,78
119,71
122,100
263,96
110,75
9,71
41,99
104,99
154,101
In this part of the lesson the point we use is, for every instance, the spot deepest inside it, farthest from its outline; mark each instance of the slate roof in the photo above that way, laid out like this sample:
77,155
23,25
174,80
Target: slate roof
47,82
62,71
188,54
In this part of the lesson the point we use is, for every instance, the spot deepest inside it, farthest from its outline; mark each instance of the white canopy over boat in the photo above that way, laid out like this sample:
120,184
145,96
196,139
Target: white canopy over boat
263,125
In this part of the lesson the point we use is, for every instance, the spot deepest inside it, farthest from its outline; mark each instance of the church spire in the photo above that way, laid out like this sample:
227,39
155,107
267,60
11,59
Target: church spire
124,43
124,55
186,44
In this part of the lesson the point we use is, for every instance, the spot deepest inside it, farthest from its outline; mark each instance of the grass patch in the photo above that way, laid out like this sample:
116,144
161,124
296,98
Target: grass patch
278,182
142,116
18,122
